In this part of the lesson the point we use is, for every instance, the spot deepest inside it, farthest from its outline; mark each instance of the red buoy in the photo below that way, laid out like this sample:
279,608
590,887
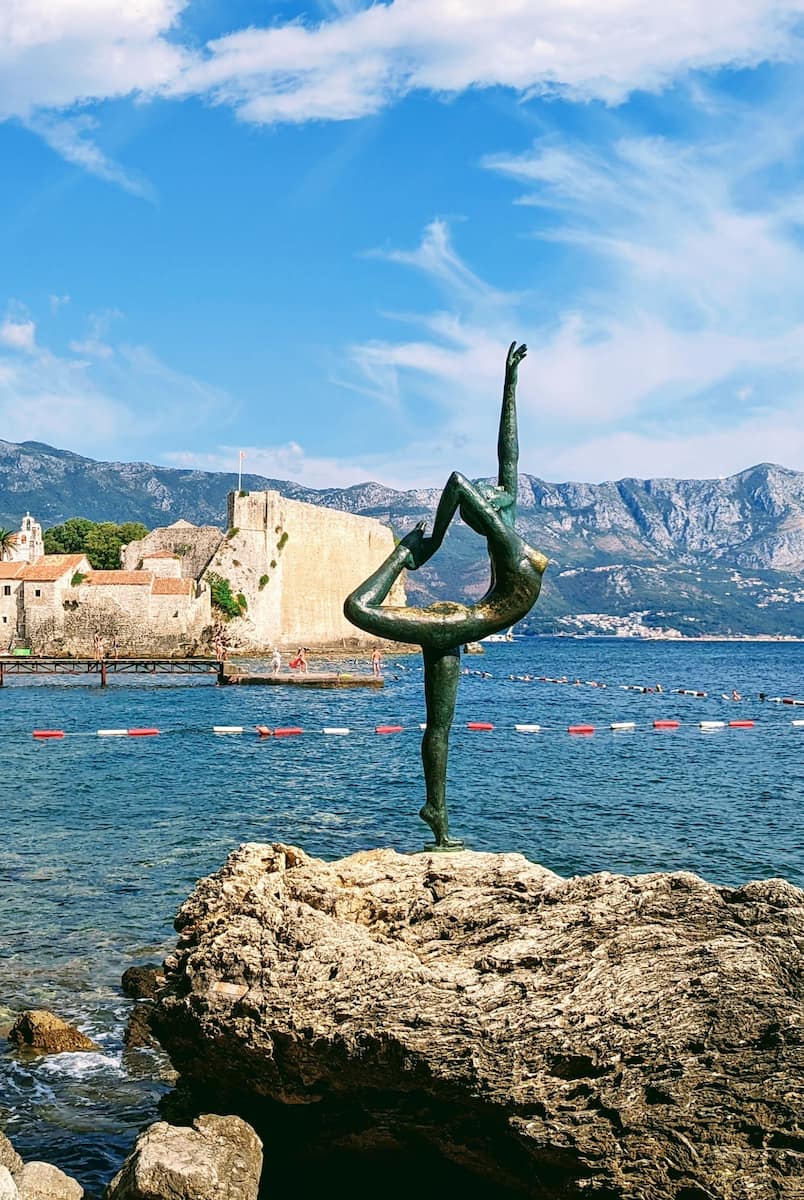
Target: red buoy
580,729
388,729
143,732
741,724
666,724
479,725
48,733
289,731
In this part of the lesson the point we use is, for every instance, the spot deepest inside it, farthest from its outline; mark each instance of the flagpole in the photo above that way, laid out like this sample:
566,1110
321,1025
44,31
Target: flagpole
240,473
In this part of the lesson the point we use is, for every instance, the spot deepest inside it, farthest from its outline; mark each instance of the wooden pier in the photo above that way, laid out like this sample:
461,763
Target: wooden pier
227,673
104,667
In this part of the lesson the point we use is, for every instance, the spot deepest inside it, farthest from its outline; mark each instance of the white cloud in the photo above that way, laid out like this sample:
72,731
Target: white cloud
361,61
107,396
59,55
69,137
687,322
20,334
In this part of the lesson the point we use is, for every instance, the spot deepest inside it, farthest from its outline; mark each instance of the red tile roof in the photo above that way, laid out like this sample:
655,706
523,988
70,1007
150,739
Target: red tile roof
11,570
50,567
120,578
160,554
172,587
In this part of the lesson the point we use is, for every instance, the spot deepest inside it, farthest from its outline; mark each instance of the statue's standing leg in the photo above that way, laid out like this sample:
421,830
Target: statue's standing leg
441,672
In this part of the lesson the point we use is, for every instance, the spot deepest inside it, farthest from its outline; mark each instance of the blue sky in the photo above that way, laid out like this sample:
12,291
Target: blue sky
309,230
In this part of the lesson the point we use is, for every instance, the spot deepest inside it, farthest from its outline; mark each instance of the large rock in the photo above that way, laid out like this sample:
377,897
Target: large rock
41,1181
38,1029
142,983
8,1188
8,1155
599,1036
220,1158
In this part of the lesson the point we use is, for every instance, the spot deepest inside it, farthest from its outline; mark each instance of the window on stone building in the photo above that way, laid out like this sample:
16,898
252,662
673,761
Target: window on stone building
37,591
6,589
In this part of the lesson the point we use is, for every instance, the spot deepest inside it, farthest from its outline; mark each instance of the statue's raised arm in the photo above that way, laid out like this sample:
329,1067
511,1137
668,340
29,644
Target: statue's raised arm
508,439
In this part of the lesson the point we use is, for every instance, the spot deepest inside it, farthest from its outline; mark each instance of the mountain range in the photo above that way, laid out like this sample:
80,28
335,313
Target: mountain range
694,556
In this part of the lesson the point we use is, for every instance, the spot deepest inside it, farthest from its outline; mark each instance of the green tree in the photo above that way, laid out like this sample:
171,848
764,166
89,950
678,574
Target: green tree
8,540
100,541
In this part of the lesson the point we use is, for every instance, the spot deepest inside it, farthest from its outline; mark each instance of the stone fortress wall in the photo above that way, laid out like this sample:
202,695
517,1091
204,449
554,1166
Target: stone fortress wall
295,563
194,545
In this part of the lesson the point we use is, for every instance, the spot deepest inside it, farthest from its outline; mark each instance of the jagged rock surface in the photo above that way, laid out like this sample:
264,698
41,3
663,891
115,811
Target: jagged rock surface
626,1037
40,1030
8,1155
220,1158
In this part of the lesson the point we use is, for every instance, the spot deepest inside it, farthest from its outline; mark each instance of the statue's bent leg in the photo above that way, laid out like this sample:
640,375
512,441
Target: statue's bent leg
441,672
362,606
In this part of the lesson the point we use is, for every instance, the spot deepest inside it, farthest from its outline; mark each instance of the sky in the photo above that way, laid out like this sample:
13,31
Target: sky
308,231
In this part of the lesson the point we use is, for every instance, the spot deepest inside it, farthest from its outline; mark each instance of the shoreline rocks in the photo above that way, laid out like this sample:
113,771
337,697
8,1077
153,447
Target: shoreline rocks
608,1036
33,1180
219,1157
42,1031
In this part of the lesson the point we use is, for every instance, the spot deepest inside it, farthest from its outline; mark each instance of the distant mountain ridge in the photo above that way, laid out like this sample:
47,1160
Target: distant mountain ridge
692,555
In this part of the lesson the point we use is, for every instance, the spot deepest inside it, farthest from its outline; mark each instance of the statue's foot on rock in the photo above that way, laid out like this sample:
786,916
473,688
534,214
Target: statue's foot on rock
449,844
437,820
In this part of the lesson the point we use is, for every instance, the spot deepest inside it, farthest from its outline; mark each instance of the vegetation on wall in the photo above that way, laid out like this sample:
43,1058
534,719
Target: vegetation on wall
99,540
263,580
77,578
223,600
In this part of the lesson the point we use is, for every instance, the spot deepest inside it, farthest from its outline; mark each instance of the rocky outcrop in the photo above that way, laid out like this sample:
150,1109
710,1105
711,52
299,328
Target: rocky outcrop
609,1036
40,1030
41,1181
8,1156
220,1158
33,1180
142,982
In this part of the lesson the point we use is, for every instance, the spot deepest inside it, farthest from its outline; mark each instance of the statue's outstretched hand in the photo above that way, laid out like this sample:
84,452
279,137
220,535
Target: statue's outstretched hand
515,356
418,546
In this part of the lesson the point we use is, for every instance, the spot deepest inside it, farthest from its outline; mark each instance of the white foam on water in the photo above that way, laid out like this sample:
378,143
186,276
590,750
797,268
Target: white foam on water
79,1064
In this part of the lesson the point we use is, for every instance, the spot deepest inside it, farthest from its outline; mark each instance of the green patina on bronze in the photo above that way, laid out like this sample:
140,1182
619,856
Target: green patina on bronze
441,629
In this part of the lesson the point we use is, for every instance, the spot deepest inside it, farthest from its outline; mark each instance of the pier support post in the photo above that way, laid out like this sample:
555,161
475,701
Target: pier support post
103,672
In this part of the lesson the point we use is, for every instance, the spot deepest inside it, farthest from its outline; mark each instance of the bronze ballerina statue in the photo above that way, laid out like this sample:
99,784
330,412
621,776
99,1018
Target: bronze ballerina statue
442,628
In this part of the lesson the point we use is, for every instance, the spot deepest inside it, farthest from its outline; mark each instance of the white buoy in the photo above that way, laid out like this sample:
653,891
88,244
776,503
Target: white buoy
620,725
712,725
227,728
528,728
335,729
112,733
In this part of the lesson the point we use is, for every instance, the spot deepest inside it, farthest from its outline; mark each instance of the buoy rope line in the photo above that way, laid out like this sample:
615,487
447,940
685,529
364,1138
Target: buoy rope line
656,690
289,731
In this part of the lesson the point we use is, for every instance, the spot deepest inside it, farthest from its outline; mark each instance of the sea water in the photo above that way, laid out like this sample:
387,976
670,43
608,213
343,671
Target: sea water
104,837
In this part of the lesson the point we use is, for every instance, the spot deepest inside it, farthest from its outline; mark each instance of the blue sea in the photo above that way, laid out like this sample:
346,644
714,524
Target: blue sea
104,837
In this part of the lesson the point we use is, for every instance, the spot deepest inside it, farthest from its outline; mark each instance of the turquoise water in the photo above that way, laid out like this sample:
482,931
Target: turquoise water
104,838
